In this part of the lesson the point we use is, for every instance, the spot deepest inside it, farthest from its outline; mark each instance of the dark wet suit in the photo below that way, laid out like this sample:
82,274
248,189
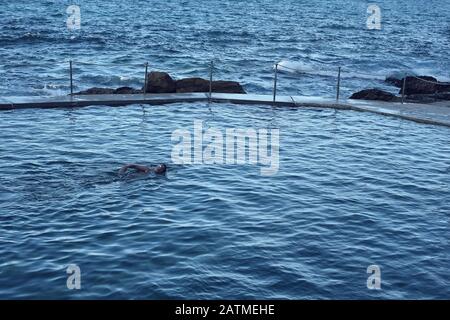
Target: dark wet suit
159,169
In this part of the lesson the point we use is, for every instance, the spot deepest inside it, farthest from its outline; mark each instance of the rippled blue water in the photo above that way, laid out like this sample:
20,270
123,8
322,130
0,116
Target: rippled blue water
353,189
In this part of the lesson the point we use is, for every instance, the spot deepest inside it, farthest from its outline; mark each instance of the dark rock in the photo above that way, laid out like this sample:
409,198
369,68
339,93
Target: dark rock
227,87
160,82
410,81
374,94
121,90
416,85
202,85
443,96
421,98
427,98
394,81
192,85
96,91
126,90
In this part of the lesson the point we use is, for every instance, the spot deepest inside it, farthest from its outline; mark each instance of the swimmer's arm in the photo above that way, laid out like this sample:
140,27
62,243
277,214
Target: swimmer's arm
137,167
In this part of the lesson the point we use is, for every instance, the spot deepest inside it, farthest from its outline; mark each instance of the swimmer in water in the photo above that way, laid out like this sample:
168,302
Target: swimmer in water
159,169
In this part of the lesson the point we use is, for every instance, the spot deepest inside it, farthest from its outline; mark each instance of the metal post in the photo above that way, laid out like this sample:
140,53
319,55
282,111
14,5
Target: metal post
403,89
145,80
211,67
338,88
71,77
275,80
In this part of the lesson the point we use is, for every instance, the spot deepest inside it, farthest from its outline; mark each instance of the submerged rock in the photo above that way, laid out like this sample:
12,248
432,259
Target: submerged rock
96,90
374,94
127,90
121,90
160,82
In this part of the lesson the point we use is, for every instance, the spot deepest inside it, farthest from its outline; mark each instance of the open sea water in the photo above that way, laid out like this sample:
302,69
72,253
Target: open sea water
353,189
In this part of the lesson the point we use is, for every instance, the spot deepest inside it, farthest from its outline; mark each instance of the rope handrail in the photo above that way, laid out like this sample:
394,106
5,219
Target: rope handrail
100,64
281,67
278,67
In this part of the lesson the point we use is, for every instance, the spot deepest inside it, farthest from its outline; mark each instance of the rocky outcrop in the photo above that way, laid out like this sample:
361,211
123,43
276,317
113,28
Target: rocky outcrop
127,90
227,87
374,94
160,82
121,90
380,95
430,85
192,85
202,85
419,85
397,82
428,98
96,90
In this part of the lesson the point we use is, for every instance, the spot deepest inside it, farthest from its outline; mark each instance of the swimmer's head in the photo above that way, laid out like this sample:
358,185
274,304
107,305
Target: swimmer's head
160,169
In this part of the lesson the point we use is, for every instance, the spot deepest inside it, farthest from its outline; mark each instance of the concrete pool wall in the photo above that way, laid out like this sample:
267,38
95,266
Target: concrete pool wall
436,113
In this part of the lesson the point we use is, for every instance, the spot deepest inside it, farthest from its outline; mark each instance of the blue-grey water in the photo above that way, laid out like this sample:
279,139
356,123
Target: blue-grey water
353,189
244,38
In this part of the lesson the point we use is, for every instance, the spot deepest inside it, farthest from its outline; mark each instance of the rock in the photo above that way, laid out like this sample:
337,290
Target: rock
427,98
121,90
126,90
397,80
394,81
443,96
414,85
227,87
421,98
192,85
202,85
374,94
96,90
160,82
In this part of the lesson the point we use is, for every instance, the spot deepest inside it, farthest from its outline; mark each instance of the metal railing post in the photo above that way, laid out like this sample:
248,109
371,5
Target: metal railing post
211,67
403,89
71,77
145,80
275,80
338,87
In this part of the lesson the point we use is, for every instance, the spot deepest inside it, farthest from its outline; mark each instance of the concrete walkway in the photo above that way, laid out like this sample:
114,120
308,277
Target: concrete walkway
437,113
